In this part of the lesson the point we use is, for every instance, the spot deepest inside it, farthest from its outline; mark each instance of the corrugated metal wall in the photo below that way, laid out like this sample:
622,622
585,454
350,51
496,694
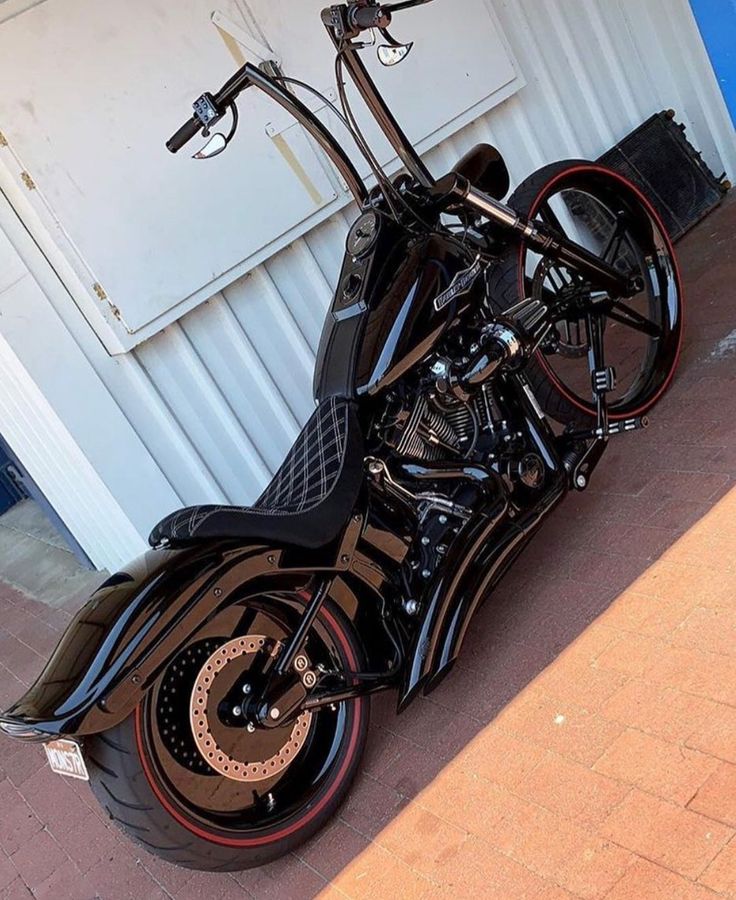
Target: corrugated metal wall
227,388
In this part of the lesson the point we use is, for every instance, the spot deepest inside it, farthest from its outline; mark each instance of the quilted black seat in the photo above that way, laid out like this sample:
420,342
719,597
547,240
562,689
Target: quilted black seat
308,501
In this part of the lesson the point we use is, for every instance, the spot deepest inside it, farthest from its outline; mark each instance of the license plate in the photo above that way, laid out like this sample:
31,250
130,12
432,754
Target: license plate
65,758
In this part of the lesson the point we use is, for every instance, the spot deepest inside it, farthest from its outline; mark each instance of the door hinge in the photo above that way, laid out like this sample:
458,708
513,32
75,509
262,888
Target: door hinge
99,290
28,181
3,140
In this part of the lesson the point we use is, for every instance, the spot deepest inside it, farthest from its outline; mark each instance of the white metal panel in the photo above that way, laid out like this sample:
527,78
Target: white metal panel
118,204
93,141
217,398
453,70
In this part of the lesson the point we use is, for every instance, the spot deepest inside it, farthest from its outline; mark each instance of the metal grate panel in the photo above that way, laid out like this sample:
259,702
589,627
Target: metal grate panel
659,159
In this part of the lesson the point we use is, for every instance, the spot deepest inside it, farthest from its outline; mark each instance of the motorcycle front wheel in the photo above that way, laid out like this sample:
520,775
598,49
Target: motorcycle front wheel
185,779
608,215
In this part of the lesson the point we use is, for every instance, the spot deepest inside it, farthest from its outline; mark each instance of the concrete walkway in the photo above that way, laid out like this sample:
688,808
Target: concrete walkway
584,747
35,559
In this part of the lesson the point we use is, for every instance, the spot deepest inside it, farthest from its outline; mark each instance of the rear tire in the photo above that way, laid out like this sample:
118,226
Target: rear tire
128,779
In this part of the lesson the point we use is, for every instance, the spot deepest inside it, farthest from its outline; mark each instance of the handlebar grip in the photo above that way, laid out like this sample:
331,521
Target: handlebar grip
365,17
187,131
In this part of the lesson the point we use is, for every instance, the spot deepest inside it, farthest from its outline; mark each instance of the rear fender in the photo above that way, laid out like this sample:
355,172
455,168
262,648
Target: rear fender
133,625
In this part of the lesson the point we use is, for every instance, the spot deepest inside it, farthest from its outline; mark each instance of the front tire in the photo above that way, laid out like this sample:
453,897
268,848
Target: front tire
167,799
609,215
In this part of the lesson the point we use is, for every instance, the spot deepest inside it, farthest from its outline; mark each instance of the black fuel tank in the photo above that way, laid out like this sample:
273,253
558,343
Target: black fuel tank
396,297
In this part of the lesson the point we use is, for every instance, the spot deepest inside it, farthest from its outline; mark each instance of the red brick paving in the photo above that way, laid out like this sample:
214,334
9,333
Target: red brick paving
612,775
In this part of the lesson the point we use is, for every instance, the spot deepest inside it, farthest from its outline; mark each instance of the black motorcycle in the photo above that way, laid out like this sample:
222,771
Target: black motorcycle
477,358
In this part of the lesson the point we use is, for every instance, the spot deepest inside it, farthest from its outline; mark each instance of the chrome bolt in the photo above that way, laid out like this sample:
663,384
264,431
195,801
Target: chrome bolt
426,574
333,707
581,481
275,713
375,468
247,689
301,663
411,607
250,728
425,541
237,711
309,679
443,520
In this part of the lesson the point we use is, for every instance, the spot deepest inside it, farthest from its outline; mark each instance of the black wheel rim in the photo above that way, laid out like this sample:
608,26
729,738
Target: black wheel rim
641,334
215,806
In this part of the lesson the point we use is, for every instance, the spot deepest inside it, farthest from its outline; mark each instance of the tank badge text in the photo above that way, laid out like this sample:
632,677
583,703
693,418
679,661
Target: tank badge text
461,284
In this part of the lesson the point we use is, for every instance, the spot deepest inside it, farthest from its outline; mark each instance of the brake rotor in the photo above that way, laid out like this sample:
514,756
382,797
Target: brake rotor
209,734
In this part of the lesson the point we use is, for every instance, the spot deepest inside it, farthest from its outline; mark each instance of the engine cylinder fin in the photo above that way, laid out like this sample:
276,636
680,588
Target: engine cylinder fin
437,428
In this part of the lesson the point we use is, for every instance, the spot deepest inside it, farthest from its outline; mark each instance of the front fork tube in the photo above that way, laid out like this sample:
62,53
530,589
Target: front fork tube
542,238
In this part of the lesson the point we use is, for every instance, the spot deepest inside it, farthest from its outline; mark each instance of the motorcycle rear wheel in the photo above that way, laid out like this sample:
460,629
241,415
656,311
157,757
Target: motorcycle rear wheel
609,215
157,785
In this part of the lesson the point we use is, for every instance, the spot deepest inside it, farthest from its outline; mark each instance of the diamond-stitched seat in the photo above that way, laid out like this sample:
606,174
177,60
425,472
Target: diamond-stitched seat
307,502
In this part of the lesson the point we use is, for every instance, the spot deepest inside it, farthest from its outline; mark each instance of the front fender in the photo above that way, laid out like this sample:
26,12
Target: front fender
132,626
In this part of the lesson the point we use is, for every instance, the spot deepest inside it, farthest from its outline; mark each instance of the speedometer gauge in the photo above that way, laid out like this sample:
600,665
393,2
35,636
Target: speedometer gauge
363,234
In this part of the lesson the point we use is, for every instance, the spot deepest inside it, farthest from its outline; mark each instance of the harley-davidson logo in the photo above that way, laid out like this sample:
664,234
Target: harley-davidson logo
461,284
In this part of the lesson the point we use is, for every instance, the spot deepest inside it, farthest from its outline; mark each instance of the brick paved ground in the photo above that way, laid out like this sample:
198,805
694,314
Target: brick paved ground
586,745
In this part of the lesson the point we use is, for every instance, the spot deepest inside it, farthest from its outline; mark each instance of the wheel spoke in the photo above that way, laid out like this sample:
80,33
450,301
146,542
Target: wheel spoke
632,319
549,217
610,254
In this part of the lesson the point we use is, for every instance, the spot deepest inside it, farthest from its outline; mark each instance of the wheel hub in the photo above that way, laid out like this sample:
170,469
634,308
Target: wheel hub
236,752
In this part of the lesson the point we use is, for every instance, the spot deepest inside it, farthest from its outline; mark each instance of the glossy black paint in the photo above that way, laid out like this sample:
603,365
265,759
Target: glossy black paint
486,169
135,623
481,553
375,334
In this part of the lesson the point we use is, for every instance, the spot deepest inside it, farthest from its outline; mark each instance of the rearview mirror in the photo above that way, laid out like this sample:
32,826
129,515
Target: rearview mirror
215,145
393,54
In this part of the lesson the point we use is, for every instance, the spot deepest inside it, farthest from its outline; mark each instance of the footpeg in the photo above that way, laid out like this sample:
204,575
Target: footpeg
626,425
580,465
